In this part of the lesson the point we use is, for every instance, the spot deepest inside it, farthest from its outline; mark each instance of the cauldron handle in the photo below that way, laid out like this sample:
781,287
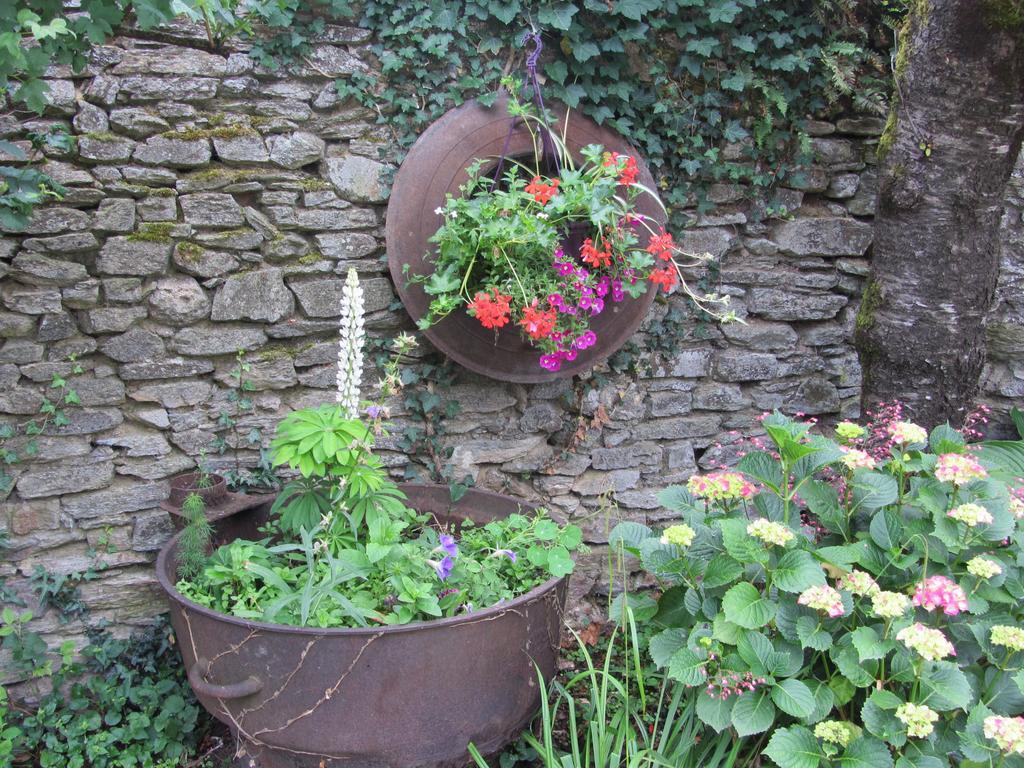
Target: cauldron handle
197,679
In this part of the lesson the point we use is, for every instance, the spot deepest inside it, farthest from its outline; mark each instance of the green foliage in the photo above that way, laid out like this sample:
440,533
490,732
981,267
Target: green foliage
683,80
17,441
241,402
618,711
786,605
127,704
194,544
396,572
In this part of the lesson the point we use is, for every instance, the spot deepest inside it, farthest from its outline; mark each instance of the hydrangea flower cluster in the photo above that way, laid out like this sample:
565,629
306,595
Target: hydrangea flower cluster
847,430
907,433
1006,732
971,515
929,643
1016,505
1008,637
680,535
958,469
770,532
854,459
919,719
940,592
721,486
889,605
823,598
728,684
834,732
983,568
858,583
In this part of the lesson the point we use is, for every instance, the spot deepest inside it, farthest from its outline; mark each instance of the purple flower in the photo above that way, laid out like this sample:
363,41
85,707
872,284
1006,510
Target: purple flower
569,355
374,411
596,306
563,268
617,292
448,544
445,592
550,362
602,287
507,553
444,568
586,340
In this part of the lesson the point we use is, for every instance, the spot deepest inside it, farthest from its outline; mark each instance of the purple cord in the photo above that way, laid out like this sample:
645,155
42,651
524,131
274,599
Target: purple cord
548,144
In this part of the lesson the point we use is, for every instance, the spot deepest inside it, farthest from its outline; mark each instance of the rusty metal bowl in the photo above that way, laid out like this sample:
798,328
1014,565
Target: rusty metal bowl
387,697
435,167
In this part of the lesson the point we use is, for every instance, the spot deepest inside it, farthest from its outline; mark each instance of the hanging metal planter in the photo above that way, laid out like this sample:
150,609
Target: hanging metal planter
436,167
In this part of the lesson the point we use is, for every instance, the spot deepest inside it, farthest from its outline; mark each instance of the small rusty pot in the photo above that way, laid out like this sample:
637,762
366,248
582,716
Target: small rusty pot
182,486
381,697
436,167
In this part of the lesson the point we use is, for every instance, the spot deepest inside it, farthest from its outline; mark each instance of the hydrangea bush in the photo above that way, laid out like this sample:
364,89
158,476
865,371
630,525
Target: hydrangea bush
844,602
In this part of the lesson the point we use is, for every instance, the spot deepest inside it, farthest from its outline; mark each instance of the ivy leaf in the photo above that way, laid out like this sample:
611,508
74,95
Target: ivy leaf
557,71
703,46
735,82
33,92
753,713
723,12
585,50
745,43
796,571
557,15
794,747
744,606
794,698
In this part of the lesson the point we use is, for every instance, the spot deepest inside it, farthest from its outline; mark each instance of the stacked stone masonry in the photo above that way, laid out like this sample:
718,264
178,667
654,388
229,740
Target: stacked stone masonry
215,206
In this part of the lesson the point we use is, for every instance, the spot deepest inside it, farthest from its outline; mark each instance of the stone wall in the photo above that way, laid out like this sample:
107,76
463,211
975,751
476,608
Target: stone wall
215,206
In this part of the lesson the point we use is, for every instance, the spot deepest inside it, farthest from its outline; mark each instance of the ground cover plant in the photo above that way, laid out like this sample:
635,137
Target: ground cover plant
847,602
343,550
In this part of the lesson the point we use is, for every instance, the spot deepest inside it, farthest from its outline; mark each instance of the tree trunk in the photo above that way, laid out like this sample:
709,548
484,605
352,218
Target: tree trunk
960,94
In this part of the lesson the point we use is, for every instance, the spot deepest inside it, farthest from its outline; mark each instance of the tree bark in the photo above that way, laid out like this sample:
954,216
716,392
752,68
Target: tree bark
960,93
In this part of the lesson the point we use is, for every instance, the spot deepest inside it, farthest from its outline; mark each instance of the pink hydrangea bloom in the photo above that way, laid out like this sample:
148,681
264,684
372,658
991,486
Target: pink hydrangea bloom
959,469
940,592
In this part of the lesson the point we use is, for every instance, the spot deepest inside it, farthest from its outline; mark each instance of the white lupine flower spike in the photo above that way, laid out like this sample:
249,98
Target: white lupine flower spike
350,345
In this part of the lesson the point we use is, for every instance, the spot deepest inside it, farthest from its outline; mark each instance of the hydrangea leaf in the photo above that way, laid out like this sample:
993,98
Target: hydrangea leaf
794,747
746,607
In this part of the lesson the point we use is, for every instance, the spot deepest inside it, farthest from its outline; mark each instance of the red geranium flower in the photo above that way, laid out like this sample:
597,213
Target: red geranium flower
538,323
628,172
491,309
661,245
666,277
542,192
594,257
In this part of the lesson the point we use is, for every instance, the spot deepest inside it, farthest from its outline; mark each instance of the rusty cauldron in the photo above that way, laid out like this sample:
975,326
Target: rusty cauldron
387,697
